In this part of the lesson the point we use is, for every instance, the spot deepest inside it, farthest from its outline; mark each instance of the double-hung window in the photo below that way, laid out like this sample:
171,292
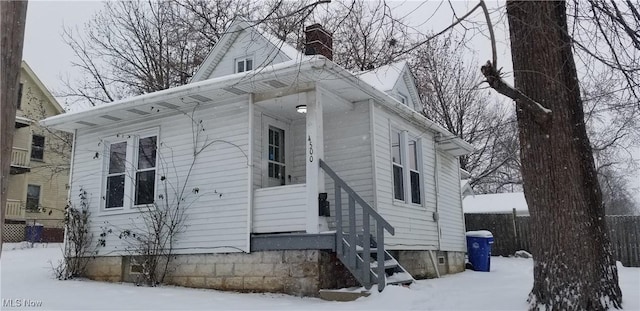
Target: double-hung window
244,64
131,171
116,175
414,172
146,170
398,168
406,167
33,198
37,147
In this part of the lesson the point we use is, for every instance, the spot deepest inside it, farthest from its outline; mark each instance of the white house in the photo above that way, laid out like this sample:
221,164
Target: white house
278,134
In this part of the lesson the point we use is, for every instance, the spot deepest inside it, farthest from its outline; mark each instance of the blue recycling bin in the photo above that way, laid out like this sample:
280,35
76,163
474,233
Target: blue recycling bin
479,249
33,233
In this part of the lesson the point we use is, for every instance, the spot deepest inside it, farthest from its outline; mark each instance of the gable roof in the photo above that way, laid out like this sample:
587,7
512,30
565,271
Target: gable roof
226,42
32,75
385,78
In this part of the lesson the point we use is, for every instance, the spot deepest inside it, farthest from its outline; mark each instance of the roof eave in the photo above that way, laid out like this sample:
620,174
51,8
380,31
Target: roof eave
58,121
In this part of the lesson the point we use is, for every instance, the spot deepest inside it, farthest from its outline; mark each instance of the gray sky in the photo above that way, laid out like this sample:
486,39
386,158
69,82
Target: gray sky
50,58
44,50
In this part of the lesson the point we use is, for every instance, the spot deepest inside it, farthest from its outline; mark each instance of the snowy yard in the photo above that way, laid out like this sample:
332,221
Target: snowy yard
26,277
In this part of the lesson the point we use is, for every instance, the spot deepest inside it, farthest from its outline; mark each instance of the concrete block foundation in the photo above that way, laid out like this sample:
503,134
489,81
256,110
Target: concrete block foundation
294,272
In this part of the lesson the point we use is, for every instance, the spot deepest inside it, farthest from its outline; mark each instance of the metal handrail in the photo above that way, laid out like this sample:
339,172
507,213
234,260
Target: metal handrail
360,266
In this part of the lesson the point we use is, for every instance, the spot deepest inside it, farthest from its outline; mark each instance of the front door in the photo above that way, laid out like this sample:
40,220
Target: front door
275,160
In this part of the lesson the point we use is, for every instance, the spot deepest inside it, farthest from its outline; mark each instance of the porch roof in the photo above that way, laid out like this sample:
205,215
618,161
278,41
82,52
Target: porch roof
281,78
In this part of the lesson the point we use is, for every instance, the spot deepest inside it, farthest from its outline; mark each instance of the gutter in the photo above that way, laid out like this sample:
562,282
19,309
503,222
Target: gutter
184,90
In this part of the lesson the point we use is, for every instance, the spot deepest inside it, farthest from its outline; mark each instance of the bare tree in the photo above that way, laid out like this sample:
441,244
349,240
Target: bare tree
131,48
12,22
449,90
558,169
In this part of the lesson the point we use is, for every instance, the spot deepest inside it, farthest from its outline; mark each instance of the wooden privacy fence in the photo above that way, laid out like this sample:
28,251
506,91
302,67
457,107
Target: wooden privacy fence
511,233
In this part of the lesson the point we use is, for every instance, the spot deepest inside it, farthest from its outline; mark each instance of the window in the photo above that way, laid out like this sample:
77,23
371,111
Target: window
403,99
33,198
131,172
405,162
18,104
116,175
146,171
414,173
276,154
398,176
37,147
244,64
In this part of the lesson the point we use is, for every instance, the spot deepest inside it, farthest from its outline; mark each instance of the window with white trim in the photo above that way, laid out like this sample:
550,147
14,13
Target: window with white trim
406,167
131,171
116,175
414,172
403,99
396,159
244,64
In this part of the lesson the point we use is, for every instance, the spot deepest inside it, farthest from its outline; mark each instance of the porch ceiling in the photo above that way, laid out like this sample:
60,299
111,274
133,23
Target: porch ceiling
285,106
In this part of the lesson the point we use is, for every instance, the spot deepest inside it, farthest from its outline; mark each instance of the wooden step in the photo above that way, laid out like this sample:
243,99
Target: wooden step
388,264
344,294
400,278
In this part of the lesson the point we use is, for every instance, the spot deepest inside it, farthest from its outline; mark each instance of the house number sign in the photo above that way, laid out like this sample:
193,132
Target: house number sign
310,150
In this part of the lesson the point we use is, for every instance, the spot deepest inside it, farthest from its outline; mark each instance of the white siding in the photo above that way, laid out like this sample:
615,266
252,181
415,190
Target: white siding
280,209
415,227
257,149
248,44
299,170
401,88
347,150
217,214
296,136
450,210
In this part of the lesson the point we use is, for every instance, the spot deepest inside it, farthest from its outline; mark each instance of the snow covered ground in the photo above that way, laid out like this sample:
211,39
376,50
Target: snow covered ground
26,277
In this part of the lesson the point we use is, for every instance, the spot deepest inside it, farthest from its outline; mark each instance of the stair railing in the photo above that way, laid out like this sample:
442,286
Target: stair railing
346,244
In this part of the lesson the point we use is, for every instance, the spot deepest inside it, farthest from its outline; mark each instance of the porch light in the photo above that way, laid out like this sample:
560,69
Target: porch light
301,108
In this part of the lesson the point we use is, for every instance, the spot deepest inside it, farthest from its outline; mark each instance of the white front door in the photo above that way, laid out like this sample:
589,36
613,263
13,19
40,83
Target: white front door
276,149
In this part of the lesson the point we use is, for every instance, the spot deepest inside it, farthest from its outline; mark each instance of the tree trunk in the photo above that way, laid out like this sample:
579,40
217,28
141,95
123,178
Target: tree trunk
12,19
573,264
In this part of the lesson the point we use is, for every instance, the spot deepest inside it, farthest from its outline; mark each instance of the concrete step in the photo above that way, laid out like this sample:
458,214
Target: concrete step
344,294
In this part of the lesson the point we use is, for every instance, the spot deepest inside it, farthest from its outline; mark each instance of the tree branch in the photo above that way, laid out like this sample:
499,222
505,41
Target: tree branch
496,82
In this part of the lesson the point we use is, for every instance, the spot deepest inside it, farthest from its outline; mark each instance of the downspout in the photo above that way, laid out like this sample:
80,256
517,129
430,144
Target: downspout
436,179
250,175
73,155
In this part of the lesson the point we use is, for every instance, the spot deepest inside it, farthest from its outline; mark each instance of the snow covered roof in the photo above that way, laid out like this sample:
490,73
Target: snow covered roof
497,203
226,41
310,69
384,78
465,187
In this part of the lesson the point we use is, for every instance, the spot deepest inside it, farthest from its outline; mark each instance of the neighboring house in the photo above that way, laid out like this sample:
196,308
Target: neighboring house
496,203
37,192
281,130
465,184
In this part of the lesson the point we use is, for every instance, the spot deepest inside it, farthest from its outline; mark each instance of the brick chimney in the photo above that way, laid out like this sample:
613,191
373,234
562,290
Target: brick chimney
318,41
